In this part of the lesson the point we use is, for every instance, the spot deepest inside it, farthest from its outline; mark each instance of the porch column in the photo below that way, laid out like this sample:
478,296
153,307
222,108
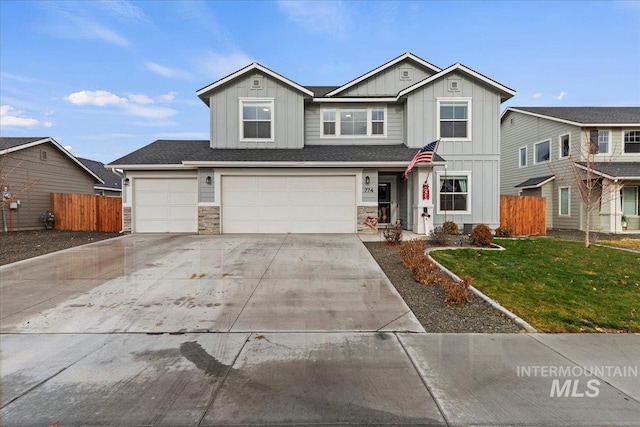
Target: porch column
422,226
610,207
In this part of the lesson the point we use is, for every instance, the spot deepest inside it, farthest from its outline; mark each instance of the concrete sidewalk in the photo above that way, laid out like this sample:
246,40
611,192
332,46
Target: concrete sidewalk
306,330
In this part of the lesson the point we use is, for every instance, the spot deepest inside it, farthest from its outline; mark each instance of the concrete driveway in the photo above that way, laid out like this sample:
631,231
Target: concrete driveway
281,329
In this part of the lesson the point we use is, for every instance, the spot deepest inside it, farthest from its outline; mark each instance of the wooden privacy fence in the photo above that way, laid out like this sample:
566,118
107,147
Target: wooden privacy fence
526,215
86,212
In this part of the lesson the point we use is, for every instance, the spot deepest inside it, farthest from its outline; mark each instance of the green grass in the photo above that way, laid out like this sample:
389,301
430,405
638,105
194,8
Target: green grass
556,285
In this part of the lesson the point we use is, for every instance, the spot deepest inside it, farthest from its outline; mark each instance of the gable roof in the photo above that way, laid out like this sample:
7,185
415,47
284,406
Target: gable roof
111,181
584,116
13,144
506,92
178,153
407,55
535,182
619,170
202,93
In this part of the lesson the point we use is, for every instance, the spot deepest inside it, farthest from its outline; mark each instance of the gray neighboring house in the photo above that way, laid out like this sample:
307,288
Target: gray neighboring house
540,145
287,158
112,186
32,169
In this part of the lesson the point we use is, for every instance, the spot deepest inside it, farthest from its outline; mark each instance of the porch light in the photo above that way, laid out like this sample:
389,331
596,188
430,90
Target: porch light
367,180
208,180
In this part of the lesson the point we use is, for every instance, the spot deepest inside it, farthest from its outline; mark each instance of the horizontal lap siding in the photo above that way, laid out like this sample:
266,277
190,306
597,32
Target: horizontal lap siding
58,173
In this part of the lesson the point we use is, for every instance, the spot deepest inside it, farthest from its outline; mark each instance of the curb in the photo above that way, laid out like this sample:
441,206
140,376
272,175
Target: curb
517,320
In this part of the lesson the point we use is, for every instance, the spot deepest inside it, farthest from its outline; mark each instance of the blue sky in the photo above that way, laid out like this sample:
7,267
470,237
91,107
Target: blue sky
105,78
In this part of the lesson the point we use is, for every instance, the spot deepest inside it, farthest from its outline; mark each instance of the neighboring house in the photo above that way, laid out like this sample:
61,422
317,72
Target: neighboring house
286,158
542,145
112,186
32,169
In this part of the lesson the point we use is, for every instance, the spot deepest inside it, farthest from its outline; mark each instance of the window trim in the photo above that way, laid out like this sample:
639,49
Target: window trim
369,109
560,156
624,151
568,214
469,117
441,174
637,188
526,157
241,102
609,144
535,156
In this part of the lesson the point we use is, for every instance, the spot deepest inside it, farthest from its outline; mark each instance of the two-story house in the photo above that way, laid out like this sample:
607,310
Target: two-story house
543,147
287,158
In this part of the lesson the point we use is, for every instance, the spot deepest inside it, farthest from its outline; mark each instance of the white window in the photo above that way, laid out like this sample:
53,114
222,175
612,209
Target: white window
256,120
541,151
523,157
564,196
454,118
354,122
565,145
630,200
454,195
599,140
632,141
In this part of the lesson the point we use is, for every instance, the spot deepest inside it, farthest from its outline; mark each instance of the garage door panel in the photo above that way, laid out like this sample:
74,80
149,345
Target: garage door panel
166,205
151,198
288,204
152,212
183,198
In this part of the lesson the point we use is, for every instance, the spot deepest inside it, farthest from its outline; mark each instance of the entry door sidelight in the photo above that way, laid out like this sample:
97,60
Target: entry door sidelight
384,202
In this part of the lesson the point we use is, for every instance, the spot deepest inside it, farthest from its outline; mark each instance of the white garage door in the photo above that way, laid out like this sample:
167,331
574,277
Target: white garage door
166,205
288,204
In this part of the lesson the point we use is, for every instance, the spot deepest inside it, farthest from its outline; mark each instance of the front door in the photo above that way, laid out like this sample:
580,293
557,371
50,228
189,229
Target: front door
386,201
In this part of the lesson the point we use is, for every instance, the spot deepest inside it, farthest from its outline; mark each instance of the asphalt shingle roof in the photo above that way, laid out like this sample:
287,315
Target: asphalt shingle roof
617,169
11,142
111,180
589,115
320,91
534,182
173,152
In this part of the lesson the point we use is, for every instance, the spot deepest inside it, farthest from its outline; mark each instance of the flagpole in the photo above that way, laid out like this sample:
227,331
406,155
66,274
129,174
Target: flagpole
445,183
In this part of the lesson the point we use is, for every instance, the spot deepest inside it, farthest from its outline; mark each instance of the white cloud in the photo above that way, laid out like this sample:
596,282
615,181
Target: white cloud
95,30
140,98
215,65
150,112
182,135
561,96
537,95
98,97
328,17
169,96
11,117
123,9
170,73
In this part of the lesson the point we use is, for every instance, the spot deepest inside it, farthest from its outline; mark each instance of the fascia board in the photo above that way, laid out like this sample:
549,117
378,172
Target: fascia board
248,68
382,68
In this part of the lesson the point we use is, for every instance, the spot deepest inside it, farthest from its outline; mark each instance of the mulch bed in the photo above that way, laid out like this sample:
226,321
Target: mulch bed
19,245
427,302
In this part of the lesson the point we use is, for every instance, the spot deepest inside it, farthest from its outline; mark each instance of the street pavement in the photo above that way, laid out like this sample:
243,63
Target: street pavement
275,330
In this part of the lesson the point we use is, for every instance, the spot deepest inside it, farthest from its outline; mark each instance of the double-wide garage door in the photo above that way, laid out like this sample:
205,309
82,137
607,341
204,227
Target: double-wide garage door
288,204
166,205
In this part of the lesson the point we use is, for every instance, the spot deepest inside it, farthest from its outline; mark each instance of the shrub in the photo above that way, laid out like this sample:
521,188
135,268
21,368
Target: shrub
439,236
481,235
458,292
411,252
505,231
450,227
425,272
392,235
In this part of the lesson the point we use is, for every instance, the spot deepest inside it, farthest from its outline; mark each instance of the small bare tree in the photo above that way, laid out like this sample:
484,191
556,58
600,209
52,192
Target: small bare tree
10,189
586,182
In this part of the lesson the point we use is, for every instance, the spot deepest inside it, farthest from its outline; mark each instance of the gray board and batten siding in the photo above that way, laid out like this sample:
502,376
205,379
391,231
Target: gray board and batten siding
288,120
390,81
45,170
206,191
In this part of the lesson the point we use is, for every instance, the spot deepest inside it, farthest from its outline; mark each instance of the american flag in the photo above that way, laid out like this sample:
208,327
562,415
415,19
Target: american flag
425,155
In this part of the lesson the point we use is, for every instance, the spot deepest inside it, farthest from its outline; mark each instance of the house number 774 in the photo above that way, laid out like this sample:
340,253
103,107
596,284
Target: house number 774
368,190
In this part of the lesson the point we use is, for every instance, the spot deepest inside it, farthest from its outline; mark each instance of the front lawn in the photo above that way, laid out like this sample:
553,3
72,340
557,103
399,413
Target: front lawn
556,285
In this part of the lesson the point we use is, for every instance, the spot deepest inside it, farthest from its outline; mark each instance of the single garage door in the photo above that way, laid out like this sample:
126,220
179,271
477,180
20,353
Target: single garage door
288,204
166,205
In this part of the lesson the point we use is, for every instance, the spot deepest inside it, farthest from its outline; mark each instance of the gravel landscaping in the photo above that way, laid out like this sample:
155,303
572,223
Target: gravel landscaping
427,302
19,245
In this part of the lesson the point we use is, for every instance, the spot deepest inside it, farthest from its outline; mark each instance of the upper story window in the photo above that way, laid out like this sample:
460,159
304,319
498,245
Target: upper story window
256,120
599,141
632,141
523,157
361,122
565,145
454,118
541,151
